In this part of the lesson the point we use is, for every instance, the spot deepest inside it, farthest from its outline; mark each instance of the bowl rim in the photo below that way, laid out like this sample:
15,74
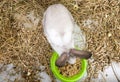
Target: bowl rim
73,78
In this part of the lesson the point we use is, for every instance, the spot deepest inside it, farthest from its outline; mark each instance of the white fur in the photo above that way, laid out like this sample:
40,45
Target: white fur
58,26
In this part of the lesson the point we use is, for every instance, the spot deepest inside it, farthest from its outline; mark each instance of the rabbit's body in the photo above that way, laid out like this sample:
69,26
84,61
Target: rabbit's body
58,27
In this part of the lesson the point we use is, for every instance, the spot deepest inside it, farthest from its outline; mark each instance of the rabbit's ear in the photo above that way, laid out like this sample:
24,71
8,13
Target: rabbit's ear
62,59
80,53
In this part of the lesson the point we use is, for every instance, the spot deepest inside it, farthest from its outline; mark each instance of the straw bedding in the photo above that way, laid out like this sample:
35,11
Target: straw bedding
23,43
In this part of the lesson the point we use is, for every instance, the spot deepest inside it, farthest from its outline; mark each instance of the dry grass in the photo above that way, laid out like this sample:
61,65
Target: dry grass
22,41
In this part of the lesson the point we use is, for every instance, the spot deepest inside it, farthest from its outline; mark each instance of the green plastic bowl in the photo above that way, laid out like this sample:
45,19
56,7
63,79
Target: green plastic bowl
59,76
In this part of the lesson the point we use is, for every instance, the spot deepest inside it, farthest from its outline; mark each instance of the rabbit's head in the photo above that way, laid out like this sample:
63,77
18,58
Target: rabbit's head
73,52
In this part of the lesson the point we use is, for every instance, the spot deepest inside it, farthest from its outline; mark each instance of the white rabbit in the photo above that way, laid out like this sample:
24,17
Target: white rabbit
58,25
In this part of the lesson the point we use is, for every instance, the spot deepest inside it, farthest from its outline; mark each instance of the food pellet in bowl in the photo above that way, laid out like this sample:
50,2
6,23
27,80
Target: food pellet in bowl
71,69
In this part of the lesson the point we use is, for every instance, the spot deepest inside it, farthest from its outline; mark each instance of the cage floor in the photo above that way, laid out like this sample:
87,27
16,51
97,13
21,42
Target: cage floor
25,53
